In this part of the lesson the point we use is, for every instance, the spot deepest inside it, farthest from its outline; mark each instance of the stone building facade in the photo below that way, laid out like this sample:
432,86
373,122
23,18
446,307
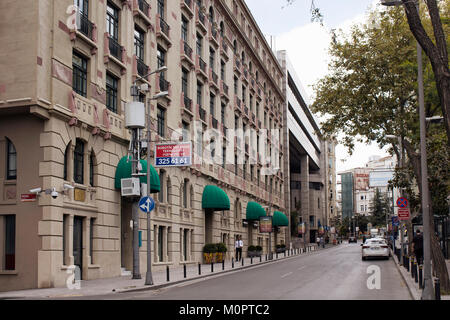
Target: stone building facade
66,78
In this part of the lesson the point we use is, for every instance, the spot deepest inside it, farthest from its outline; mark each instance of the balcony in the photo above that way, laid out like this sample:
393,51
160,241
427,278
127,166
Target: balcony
142,68
223,89
188,7
186,52
237,65
115,48
213,35
200,20
141,8
163,85
214,122
114,52
202,114
213,79
163,30
224,49
200,67
245,74
186,104
86,31
238,104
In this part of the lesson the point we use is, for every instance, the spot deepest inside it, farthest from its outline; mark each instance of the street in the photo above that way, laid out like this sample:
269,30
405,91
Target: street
336,273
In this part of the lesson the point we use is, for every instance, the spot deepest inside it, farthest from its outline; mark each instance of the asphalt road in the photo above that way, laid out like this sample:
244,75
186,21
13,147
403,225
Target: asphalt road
336,273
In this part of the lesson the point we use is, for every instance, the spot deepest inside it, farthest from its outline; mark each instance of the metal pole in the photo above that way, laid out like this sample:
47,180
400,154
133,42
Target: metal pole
148,274
427,292
135,214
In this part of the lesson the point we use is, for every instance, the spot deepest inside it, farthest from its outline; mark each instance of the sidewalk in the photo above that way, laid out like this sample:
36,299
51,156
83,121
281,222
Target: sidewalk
413,287
176,275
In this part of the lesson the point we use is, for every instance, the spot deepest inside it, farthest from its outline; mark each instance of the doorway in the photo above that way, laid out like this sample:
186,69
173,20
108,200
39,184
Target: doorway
78,246
209,218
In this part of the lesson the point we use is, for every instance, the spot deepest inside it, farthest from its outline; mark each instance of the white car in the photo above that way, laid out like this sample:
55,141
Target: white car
375,247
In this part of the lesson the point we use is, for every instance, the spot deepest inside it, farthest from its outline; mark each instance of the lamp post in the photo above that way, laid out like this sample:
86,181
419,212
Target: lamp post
135,93
427,292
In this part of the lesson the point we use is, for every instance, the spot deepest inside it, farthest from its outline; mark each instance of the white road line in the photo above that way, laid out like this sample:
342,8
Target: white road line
287,274
301,268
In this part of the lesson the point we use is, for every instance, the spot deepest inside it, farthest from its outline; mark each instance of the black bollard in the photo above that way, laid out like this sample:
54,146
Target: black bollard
212,266
420,277
416,278
437,289
167,274
266,256
407,263
277,255
242,261
223,264
199,268
285,254
232,263
184,270
412,267
251,260
260,258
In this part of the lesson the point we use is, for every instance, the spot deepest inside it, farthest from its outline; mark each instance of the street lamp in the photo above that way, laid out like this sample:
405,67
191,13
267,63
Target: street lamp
427,292
135,93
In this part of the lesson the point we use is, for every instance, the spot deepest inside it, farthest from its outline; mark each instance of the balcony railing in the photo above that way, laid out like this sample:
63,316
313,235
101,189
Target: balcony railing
163,84
187,103
164,26
202,113
214,77
144,7
187,50
201,16
225,88
202,64
115,48
246,110
215,123
85,26
188,3
142,68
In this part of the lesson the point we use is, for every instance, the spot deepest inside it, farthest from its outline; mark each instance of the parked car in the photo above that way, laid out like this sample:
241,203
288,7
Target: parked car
352,239
375,247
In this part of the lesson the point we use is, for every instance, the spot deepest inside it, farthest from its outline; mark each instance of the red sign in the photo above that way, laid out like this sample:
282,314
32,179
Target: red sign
403,213
28,197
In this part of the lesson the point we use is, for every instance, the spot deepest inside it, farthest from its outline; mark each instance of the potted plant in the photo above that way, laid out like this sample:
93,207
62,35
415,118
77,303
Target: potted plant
209,251
251,251
221,250
259,251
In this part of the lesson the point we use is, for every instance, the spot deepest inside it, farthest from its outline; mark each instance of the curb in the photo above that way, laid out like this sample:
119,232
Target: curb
412,291
171,283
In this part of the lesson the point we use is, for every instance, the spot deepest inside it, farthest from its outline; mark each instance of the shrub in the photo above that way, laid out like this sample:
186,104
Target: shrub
210,248
251,248
259,248
221,247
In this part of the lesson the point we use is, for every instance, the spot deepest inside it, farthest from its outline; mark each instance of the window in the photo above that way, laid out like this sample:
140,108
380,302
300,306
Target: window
199,45
10,242
79,74
222,113
184,82
91,240
186,131
235,85
111,92
185,193
161,8
11,161
161,58
311,221
222,70
160,242
224,156
161,192
112,21
139,44
78,162
91,168
199,93
211,15
212,54
66,161
161,118
200,143
212,106
184,29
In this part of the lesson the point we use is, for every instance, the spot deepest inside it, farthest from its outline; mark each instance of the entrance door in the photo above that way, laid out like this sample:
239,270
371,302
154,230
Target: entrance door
312,236
209,216
78,245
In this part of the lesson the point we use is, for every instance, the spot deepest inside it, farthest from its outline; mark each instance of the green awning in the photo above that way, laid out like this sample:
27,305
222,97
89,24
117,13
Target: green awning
123,171
279,219
254,211
215,198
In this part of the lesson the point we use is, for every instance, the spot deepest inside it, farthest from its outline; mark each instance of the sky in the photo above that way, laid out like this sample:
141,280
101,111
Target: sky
289,27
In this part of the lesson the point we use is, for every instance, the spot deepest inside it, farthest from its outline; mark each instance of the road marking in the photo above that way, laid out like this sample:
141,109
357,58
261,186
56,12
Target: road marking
287,274
301,268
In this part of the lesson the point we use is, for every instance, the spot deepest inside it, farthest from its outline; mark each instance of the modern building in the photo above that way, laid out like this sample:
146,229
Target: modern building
65,85
309,162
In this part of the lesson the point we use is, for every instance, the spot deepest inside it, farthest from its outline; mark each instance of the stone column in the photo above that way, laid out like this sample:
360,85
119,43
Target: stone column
304,195
156,233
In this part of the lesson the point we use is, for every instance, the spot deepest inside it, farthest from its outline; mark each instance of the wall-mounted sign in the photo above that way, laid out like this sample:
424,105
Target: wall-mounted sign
265,224
173,154
79,194
28,197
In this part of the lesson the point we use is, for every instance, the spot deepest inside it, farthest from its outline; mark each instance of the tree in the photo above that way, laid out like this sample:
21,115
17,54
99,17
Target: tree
370,93
379,209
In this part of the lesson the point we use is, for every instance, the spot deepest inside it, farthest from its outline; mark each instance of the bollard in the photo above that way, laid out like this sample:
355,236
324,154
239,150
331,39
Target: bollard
242,261
212,266
285,254
416,278
437,289
251,260
407,263
412,267
420,277
199,269
184,270
277,255
167,274
232,263
266,256
223,264
260,258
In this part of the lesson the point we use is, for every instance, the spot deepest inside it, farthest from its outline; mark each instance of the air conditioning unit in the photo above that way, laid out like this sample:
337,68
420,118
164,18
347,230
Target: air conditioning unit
130,187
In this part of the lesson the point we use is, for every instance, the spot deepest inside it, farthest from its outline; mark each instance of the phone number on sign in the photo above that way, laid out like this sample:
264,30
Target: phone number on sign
178,161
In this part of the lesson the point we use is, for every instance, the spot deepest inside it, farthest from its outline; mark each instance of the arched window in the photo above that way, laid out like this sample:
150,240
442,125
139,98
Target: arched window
78,162
236,209
185,193
66,161
92,164
250,66
11,161
243,57
211,15
222,29
235,47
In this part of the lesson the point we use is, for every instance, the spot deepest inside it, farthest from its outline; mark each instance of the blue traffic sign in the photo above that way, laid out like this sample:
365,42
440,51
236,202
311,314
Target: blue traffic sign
395,221
146,204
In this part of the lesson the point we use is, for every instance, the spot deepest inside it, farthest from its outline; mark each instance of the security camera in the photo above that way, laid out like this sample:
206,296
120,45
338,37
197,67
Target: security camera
68,186
36,190
54,193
